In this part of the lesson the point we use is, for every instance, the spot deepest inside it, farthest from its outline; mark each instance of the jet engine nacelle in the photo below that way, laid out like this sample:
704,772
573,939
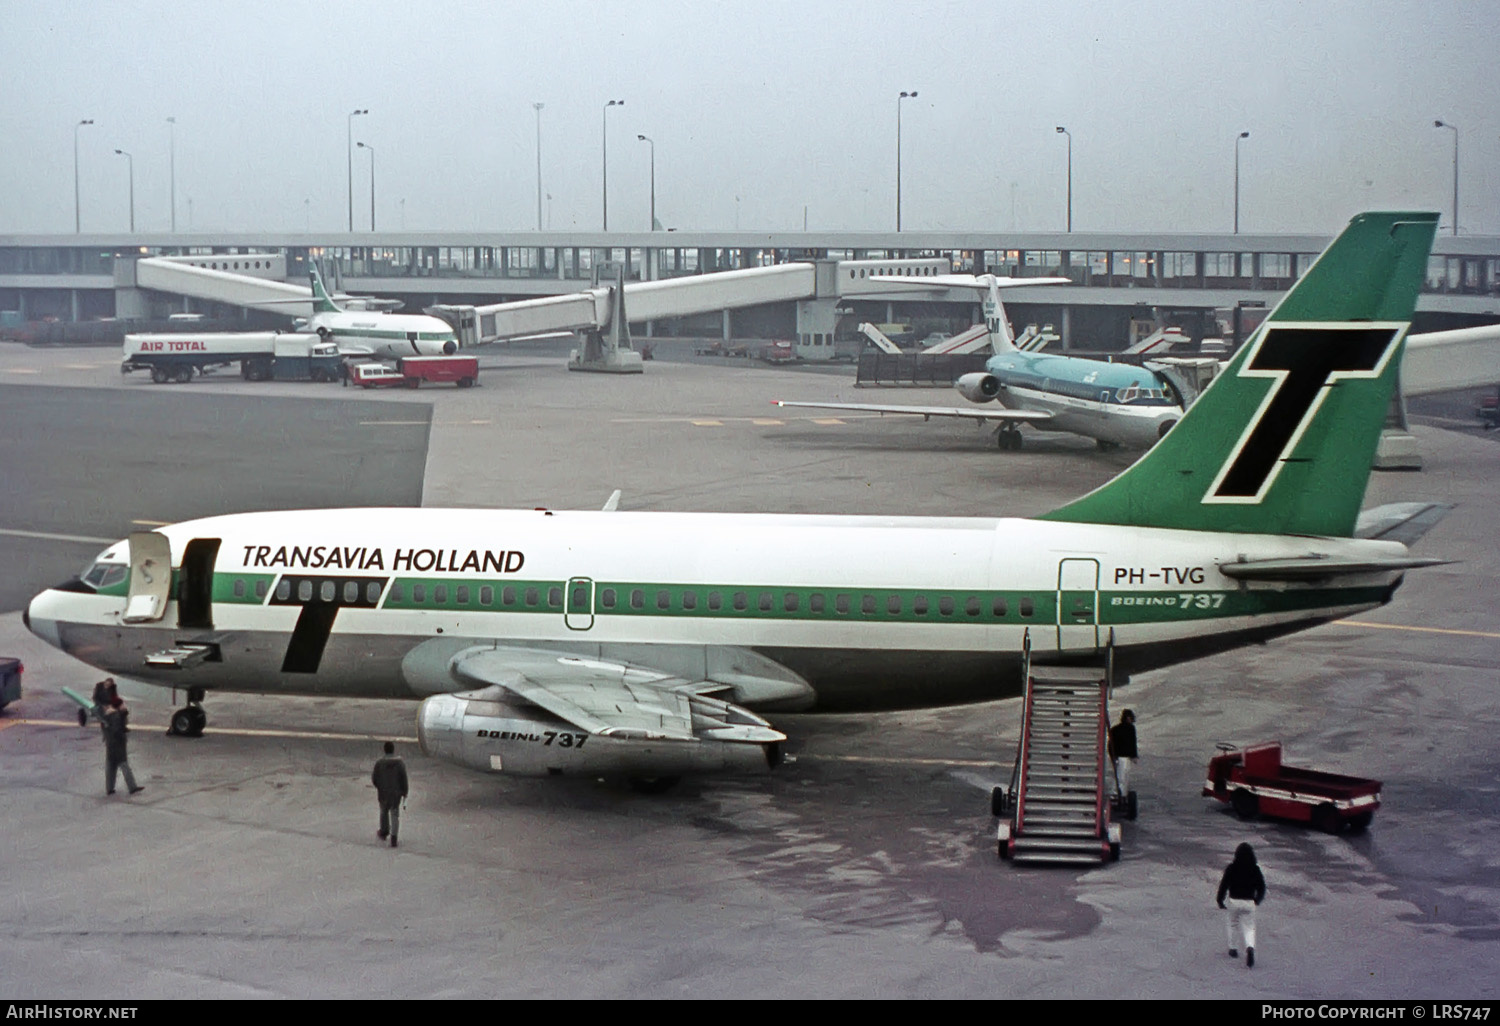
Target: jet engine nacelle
476,731
977,387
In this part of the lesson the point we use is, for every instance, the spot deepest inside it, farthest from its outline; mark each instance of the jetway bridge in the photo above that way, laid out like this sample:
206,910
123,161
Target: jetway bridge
597,313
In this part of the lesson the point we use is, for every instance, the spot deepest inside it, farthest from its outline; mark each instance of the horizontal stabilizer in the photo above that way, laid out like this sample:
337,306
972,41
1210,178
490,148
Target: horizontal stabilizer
1404,522
1315,566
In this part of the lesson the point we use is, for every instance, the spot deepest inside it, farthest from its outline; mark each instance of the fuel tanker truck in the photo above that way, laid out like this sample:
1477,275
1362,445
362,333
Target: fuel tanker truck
262,355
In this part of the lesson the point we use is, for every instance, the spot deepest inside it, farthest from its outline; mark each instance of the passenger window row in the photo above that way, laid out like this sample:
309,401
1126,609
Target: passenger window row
548,597
517,596
880,605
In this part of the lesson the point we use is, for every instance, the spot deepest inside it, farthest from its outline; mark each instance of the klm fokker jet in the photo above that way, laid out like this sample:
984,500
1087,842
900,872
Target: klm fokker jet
1116,404
638,643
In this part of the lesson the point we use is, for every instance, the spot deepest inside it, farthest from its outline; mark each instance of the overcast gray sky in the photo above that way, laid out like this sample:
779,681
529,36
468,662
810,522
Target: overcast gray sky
784,105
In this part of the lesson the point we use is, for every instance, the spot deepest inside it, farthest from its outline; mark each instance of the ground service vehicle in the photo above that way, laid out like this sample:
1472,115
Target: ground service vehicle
1255,781
262,355
411,371
778,352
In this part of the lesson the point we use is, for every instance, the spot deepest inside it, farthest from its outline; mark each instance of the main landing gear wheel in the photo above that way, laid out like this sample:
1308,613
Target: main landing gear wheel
1009,439
190,720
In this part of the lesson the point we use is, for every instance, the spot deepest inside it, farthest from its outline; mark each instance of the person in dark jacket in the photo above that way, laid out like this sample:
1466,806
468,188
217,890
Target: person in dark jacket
104,691
389,778
1244,888
116,728
1123,751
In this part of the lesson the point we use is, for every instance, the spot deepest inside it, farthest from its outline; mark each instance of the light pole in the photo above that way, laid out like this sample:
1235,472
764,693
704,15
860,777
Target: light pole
1237,139
349,146
611,103
1444,124
131,160
648,142
538,108
366,146
904,96
172,150
1063,131
77,217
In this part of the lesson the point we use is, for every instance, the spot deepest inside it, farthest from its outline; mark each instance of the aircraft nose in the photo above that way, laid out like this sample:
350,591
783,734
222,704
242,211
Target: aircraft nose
39,623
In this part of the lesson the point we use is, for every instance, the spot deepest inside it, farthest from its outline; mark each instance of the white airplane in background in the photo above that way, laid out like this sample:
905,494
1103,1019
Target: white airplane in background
637,644
1117,404
363,326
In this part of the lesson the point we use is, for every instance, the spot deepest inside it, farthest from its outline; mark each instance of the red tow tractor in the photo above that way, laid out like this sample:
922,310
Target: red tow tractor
1254,781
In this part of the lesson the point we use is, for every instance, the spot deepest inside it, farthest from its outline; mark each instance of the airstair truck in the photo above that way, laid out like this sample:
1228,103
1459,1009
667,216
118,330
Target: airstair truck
262,355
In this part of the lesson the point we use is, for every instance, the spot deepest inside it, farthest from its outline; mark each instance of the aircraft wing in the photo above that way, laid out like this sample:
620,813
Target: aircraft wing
612,699
970,413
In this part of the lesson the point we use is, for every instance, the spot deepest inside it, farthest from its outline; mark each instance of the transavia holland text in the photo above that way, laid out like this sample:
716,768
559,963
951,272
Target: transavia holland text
348,557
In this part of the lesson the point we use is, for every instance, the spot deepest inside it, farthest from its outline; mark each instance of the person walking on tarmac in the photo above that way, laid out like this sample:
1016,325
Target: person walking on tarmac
1123,751
1245,888
389,778
115,730
103,692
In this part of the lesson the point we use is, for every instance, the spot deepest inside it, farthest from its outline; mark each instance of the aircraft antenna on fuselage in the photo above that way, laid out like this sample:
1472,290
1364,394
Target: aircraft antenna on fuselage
1283,439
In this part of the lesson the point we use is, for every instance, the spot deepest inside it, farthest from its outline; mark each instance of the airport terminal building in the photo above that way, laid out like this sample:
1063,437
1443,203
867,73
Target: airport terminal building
1123,285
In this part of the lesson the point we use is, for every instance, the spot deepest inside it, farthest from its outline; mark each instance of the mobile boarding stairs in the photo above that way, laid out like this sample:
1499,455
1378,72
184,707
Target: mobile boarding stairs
1058,806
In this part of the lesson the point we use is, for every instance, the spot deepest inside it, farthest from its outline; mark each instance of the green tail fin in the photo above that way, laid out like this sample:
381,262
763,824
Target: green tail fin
1282,441
321,302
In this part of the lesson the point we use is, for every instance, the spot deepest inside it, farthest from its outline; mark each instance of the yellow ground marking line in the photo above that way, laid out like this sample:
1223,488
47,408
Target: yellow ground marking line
392,423
21,370
1422,630
898,761
82,366
231,731
826,420
766,422
708,423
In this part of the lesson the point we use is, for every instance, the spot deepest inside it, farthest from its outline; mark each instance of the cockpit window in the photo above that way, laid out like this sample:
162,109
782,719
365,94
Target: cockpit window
105,575
1129,394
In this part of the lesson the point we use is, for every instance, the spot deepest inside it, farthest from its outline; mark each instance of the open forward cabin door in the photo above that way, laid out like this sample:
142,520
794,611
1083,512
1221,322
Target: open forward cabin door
150,577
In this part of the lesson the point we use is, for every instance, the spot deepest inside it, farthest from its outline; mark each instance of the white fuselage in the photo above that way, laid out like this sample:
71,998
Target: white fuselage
385,334
866,612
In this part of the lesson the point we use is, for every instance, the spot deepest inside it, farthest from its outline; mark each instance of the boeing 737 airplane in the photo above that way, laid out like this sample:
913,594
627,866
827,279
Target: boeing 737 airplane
375,332
1114,403
552,642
